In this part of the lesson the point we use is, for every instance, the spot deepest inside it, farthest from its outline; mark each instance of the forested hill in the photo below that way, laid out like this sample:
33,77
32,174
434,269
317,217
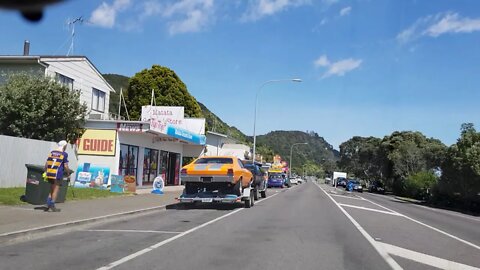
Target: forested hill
118,82
215,124
318,151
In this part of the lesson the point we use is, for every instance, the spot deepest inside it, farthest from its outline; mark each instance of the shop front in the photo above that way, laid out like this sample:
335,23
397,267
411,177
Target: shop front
135,149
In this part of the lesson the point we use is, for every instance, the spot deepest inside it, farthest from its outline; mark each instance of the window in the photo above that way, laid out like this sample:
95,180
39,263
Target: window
64,80
128,160
214,161
150,164
98,100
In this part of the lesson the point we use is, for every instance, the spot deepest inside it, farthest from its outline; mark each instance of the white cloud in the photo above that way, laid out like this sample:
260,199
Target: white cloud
453,23
190,15
105,14
323,21
338,68
439,24
322,61
345,11
258,9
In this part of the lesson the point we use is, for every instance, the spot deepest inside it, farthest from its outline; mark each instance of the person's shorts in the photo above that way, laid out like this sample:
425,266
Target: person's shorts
57,182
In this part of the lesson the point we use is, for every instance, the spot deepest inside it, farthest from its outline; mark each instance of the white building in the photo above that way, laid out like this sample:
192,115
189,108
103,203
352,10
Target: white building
218,144
75,72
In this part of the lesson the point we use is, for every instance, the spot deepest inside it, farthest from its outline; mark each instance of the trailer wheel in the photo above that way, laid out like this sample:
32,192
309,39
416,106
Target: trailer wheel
250,201
237,189
263,194
255,193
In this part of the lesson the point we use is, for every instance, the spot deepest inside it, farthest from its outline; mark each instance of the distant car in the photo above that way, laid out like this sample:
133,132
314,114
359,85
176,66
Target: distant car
300,180
341,182
354,185
275,180
376,187
294,181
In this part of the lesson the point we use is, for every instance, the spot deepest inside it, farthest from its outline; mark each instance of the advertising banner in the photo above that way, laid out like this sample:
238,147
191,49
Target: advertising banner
92,176
131,183
171,121
97,142
118,184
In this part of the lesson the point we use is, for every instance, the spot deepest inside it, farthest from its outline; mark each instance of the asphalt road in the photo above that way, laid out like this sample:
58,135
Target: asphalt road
306,227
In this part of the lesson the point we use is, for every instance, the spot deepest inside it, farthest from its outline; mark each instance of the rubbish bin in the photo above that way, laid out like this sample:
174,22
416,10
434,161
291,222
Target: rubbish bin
62,192
36,191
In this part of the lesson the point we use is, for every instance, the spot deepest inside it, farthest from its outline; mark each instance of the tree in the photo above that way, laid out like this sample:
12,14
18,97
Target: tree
168,88
460,181
40,108
363,157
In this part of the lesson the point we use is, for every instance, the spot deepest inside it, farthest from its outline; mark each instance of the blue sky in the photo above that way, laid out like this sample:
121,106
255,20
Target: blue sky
369,67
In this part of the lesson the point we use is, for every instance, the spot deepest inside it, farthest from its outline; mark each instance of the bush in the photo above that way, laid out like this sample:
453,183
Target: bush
419,185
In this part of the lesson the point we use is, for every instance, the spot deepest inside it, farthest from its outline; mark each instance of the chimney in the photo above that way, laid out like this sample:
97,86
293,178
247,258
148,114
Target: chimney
26,47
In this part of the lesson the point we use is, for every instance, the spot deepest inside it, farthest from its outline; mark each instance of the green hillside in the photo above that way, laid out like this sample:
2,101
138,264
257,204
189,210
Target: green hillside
215,124
117,82
318,155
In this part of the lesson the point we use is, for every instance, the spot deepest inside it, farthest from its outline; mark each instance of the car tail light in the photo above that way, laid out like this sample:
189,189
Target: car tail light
183,171
230,172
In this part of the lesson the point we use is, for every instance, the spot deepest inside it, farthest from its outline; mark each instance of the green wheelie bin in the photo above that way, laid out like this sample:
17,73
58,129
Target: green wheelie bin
37,189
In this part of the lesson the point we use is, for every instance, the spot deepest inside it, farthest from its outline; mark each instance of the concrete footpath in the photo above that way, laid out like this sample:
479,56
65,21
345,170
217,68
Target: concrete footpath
24,221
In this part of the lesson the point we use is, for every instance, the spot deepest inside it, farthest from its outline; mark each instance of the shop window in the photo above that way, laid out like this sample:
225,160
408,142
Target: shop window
150,165
128,160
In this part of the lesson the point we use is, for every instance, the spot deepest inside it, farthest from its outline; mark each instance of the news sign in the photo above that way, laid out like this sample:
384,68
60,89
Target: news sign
97,142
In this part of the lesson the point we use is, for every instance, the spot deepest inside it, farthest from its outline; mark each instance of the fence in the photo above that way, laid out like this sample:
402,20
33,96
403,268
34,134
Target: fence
16,152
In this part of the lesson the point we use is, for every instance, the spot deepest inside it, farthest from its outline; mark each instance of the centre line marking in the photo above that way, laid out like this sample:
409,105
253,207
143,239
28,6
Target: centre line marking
390,261
428,226
171,239
132,231
371,209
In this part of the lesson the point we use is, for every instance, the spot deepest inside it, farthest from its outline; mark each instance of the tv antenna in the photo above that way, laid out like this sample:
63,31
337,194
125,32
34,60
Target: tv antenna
71,25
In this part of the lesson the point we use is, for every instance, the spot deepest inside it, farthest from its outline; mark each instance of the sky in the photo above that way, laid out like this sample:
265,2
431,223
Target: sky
368,67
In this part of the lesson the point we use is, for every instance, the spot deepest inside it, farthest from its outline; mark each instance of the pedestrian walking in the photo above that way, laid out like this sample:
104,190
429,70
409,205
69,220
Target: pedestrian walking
55,167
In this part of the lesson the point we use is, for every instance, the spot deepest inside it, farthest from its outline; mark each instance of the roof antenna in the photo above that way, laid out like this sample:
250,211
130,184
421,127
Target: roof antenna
71,24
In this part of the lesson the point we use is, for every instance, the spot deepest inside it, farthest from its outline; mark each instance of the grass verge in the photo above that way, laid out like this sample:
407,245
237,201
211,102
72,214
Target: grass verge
11,196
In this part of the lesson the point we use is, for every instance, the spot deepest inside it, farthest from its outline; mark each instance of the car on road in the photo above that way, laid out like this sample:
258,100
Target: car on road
354,185
341,182
376,187
217,179
300,180
294,181
276,180
259,178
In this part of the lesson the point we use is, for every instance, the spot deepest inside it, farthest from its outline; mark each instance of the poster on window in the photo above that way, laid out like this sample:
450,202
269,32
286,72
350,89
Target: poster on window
92,176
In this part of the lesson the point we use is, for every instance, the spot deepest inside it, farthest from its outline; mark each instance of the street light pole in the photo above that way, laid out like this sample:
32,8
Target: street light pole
255,113
291,165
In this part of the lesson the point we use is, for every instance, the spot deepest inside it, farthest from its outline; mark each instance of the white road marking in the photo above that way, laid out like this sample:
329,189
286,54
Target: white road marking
132,231
370,209
348,197
425,259
390,261
164,242
428,226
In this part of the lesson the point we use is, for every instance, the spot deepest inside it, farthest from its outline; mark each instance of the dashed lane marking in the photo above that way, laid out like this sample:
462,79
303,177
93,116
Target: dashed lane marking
371,209
390,261
132,231
171,239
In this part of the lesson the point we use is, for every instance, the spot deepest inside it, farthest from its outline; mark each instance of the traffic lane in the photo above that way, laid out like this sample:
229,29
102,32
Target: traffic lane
460,225
298,229
93,246
404,233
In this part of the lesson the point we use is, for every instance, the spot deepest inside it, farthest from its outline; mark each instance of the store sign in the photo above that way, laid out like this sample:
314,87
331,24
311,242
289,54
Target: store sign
129,127
96,142
171,121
